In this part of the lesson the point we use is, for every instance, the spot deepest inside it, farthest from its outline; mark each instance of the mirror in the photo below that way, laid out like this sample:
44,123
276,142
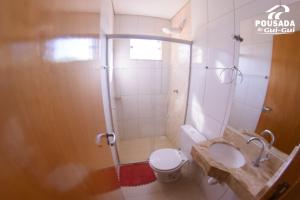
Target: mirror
267,95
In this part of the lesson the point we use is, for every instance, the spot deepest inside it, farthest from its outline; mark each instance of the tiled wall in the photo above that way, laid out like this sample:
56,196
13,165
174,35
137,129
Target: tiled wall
213,25
179,76
132,24
255,63
176,21
212,30
139,97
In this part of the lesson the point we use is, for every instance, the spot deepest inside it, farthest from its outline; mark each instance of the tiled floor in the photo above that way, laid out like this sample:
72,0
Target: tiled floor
138,150
184,189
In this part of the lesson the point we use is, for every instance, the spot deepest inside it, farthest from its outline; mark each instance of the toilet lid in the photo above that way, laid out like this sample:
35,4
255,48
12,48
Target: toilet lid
165,159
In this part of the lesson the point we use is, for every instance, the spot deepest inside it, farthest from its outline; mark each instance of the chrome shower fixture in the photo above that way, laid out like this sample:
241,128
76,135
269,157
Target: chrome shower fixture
174,30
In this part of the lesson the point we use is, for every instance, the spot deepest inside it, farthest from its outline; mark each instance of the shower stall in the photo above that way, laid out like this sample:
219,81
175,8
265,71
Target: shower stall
148,84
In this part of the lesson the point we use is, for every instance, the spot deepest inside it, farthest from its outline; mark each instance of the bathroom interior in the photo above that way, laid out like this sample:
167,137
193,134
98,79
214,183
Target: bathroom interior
149,99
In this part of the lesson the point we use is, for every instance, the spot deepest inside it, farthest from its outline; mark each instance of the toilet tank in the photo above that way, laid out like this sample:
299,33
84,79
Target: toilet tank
189,136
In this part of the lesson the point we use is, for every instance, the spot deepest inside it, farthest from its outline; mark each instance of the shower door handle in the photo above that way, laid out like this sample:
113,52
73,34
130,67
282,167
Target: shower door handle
266,109
112,141
108,136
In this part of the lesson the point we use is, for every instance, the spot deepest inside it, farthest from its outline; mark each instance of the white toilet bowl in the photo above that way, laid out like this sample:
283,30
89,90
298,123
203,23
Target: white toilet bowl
166,164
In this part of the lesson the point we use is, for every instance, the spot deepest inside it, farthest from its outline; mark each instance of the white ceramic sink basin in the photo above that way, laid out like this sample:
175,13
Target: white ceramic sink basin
227,155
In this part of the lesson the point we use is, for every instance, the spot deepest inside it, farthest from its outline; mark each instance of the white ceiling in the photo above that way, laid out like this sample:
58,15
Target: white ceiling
154,8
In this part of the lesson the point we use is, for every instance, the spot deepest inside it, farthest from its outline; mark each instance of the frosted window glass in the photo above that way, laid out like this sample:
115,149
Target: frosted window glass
145,49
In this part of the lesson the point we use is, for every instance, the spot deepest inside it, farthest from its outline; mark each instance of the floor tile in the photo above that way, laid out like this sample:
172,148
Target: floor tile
139,149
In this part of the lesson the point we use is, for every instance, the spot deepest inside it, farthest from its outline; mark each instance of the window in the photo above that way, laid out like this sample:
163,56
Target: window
70,49
145,49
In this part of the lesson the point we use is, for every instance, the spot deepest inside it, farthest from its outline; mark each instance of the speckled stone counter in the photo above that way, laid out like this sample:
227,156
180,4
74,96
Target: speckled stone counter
248,181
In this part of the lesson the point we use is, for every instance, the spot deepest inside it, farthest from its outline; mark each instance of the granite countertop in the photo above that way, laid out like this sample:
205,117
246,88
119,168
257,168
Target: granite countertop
248,181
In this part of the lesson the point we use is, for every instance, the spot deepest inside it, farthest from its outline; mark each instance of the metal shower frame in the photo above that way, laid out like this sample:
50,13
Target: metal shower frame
146,37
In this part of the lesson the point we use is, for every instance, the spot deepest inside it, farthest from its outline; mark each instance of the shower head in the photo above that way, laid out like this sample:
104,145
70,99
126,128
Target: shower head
174,30
170,31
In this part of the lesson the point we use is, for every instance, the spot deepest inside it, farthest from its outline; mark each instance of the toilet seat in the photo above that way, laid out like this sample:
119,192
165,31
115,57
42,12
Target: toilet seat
166,159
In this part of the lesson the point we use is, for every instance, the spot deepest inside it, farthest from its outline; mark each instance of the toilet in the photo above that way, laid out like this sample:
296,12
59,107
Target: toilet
167,162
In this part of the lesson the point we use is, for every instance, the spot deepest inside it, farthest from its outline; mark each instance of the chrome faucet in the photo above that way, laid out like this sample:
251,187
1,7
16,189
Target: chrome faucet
268,132
259,158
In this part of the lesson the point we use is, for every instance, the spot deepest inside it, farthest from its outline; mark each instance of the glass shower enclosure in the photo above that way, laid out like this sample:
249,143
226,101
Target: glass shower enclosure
148,83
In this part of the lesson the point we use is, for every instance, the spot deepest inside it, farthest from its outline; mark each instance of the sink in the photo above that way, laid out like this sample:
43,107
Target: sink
227,155
228,160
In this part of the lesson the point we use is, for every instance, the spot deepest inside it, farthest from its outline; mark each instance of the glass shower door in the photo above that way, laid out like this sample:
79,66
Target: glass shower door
141,74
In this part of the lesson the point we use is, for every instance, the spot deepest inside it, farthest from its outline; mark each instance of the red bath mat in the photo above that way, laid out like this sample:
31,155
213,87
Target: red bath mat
136,174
